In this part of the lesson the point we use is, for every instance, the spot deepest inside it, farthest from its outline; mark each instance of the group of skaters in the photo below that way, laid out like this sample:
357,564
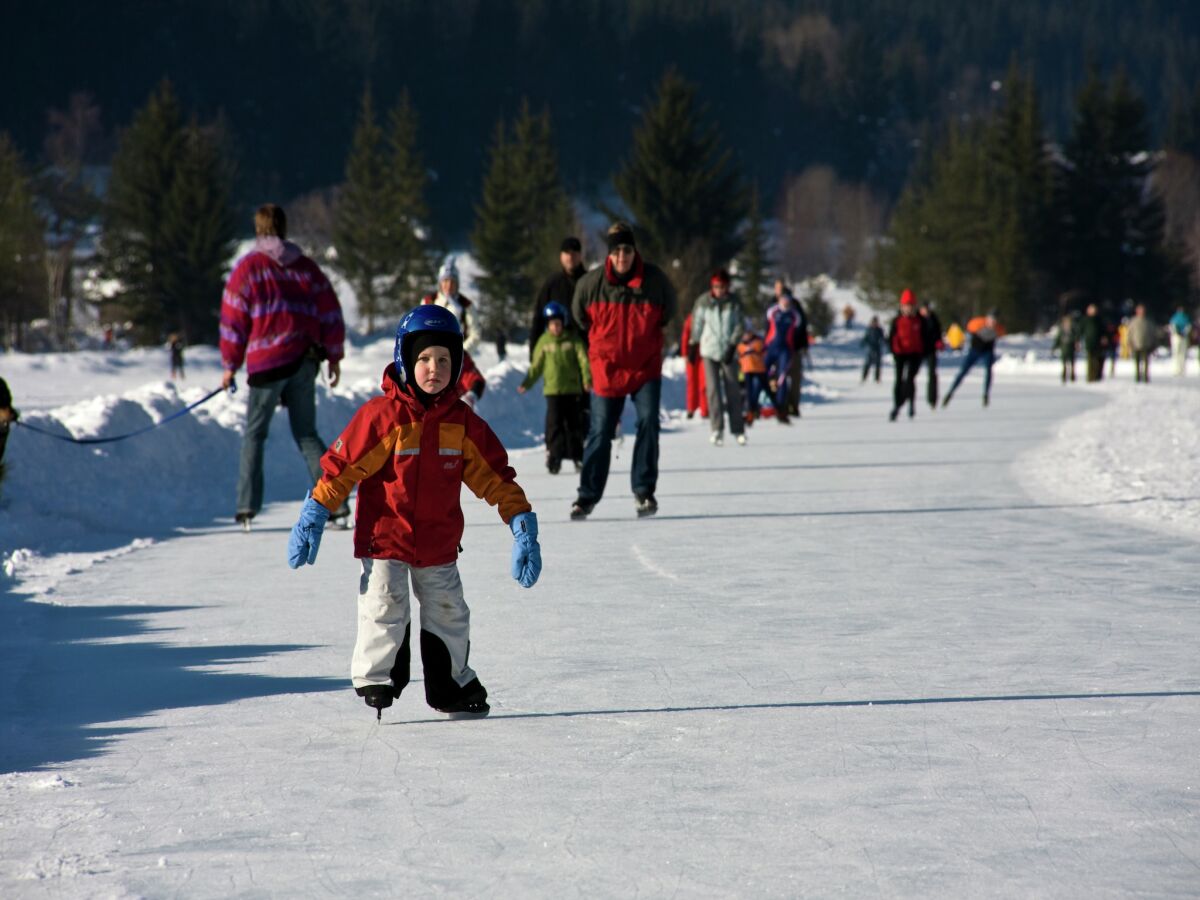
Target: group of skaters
1135,336
732,369
914,338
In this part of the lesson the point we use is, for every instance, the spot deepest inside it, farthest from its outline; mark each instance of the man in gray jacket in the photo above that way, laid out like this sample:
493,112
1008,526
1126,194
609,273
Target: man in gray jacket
717,324
1141,342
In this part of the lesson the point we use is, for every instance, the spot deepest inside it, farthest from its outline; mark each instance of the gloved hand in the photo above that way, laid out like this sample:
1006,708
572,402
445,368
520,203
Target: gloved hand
526,554
693,353
305,539
730,353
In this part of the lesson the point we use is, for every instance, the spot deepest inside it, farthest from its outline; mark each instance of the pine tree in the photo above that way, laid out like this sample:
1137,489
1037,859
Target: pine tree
501,239
412,267
364,232
547,215
198,232
1110,226
684,192
134,249
22,277
754,262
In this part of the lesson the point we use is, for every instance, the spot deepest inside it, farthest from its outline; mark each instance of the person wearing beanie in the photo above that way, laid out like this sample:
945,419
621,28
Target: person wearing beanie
717,318
561,357
280,316
448,297
410,451
906,338
558,288
624,305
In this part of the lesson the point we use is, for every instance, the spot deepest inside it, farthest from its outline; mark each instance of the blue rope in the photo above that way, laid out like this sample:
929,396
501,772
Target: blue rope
121,437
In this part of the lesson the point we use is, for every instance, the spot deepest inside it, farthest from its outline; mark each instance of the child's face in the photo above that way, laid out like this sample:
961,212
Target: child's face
432,369
555,327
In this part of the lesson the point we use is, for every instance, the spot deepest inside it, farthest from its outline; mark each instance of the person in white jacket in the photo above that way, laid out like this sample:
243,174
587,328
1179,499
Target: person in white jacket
717,321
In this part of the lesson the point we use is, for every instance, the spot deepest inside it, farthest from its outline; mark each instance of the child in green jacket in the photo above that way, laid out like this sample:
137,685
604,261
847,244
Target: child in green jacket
561,357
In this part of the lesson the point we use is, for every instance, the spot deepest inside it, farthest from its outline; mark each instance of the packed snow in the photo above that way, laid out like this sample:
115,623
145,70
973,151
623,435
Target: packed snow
947,656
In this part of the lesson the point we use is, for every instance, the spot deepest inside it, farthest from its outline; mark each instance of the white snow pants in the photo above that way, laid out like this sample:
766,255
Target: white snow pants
384,615
1179,349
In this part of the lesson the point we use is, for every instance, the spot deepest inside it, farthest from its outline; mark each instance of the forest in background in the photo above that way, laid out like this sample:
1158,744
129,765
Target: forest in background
793,84
1017,156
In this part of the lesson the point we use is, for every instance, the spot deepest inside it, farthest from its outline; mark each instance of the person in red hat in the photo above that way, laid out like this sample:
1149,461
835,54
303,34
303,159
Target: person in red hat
716,328
694,372
907,340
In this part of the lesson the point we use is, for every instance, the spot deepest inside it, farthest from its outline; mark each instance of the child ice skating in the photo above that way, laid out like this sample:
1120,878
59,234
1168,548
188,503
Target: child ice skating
410,451
559,356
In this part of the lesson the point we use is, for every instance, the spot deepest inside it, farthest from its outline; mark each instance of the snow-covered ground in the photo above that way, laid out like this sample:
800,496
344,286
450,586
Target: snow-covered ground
951,656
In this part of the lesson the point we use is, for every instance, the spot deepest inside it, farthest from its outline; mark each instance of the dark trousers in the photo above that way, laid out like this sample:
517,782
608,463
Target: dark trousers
756,383
795,379
931,386
566,427
973,356
779,361
1068,368
874,359
1141,364
1095,365
905,389
597,451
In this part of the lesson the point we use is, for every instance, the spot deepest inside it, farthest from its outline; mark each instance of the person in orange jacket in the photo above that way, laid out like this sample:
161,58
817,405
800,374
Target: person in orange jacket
984,331
697,396
752,357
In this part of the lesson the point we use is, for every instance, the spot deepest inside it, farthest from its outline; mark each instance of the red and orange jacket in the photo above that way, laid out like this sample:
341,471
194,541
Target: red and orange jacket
409,463
624,319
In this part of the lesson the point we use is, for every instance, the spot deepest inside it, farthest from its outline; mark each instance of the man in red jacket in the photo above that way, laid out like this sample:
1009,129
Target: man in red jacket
624,305
280,315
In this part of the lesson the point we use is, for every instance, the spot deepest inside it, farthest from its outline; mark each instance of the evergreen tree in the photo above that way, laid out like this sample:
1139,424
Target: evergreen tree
684,192
22,277
198,233
501,239
134,249
754,262
1110,225
364,230
412,267
547,214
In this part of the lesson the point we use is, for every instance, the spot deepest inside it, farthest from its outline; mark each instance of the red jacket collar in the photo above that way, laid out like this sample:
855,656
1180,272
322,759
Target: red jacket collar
401,394
635,280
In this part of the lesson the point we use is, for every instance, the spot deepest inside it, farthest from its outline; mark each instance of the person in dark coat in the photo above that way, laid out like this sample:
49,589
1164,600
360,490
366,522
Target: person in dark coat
931,334
907,342
558,288
873,339
8,415
1093,334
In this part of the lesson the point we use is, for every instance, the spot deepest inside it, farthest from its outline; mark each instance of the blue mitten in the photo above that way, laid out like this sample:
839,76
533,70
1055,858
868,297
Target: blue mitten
526,554
305,538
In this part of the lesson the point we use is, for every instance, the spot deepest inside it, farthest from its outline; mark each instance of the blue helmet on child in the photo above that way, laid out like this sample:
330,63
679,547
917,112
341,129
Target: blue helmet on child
429,320
555,310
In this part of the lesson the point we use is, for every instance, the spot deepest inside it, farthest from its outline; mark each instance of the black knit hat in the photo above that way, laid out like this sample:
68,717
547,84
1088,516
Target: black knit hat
619,233
571,245
420,340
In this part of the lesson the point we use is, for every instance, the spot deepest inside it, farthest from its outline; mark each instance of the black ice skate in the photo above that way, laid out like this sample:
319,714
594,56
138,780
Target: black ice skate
646,506
581,509
377,696
472,703
243,519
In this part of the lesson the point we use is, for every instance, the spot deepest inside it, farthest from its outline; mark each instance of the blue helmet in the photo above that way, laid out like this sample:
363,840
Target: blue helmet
427,319
555,310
